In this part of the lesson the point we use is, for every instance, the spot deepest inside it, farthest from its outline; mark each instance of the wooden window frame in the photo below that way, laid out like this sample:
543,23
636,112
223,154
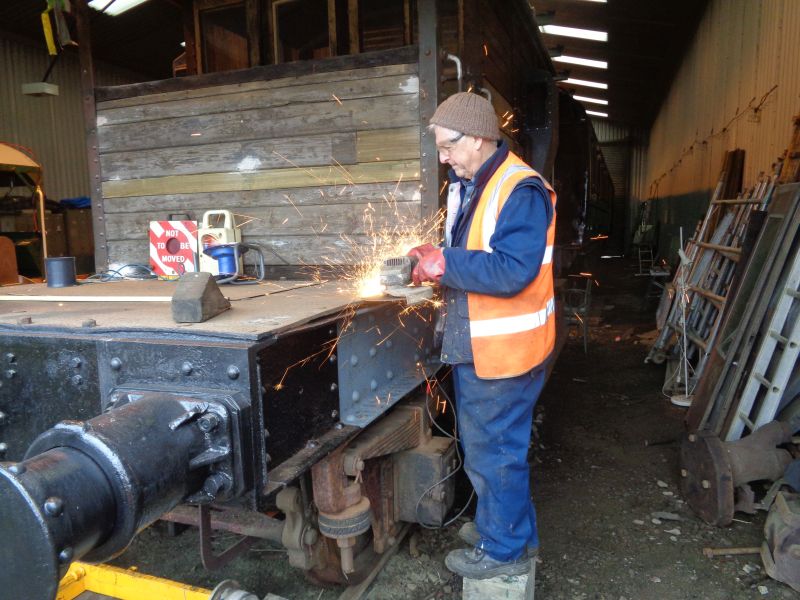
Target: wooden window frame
251,28
273,27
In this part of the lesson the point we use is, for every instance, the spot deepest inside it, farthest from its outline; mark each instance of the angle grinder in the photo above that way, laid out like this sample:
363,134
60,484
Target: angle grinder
396,271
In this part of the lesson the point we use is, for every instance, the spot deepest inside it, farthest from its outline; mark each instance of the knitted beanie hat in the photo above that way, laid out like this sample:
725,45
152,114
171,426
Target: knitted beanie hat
467,113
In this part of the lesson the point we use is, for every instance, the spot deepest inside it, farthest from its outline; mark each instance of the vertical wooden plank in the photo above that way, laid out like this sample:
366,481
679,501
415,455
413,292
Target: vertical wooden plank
408,26
198,47
332,27
428,28
352,21
90,125
189,37
253,14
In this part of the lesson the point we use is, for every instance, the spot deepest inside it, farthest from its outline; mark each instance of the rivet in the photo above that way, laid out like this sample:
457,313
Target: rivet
355,396
332,359
373,351
77,380
354,360
373,385
706,484
684,473
692,437
187,368
17,469
389,375
89,323
10,374
76,362
24,321
66,555
3,449
334,387
233,372
11,357
53,506
334,414
115,363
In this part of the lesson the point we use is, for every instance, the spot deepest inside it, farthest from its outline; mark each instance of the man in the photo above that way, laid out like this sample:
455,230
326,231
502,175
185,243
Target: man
496,275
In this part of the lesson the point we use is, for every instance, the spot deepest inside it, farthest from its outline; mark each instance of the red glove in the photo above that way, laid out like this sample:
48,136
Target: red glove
429,268
420,251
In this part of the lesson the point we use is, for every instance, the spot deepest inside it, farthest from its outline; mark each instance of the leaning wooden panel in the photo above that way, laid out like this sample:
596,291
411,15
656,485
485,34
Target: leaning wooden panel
313,150
271,179
297,92
284,121
302,198
347,219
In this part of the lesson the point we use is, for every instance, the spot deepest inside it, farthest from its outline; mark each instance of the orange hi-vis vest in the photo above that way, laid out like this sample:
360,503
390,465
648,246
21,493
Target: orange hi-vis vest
511,336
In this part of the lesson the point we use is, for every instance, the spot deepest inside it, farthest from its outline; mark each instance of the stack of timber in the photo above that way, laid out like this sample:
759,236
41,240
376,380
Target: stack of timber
297,151
703,281
751,376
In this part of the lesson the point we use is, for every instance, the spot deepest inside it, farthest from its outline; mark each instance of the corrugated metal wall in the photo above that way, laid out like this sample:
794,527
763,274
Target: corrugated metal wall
624,149
724,96
52,127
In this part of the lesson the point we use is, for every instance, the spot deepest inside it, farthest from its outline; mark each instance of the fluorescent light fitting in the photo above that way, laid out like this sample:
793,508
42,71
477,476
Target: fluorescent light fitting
585,34
594,113
583,82
584,62
600,1
591,100
117,8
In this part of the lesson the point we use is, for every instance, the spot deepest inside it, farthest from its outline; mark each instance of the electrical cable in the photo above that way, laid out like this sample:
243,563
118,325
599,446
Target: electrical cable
460,461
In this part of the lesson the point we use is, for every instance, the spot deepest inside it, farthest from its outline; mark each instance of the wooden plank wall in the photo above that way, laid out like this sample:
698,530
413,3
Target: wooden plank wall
300,160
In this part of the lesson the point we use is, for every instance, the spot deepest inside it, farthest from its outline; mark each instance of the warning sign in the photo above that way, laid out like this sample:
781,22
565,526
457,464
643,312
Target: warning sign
173,248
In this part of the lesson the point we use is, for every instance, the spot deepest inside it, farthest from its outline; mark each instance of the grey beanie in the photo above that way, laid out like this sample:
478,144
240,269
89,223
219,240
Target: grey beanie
469,114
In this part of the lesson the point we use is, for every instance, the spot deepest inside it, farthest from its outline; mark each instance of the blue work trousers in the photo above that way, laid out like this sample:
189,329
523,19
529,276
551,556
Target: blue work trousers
494,424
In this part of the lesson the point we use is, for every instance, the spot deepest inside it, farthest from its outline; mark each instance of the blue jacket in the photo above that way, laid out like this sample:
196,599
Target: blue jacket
518,246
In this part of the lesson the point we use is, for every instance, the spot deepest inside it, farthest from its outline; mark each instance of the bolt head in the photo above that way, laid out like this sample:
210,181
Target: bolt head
76,362
208,423
66,555
233,372
692,438
115,363
334,414
684,473
3,449
187,368
76,380
11,357
10,373
706,484
53,506
17,469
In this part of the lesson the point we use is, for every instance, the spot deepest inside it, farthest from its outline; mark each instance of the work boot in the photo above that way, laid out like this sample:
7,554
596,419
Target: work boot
474,563
469,533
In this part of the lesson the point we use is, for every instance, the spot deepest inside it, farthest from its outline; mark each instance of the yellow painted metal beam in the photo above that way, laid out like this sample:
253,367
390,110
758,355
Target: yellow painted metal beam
123,584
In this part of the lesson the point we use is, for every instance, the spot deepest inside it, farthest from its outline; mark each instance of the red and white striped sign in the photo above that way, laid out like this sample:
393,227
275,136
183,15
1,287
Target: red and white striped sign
173,247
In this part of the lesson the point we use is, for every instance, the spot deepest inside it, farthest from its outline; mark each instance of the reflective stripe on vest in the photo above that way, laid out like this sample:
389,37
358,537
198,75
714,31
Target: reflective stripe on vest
510,336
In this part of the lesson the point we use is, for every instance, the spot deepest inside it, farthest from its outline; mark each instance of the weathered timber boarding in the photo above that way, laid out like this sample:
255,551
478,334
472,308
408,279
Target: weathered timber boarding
307,162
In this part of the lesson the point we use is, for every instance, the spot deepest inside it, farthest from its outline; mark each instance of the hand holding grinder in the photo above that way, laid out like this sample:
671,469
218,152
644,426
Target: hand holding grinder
422,263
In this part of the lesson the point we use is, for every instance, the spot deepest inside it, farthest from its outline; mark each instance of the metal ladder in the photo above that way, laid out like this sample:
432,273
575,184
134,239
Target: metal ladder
776,358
